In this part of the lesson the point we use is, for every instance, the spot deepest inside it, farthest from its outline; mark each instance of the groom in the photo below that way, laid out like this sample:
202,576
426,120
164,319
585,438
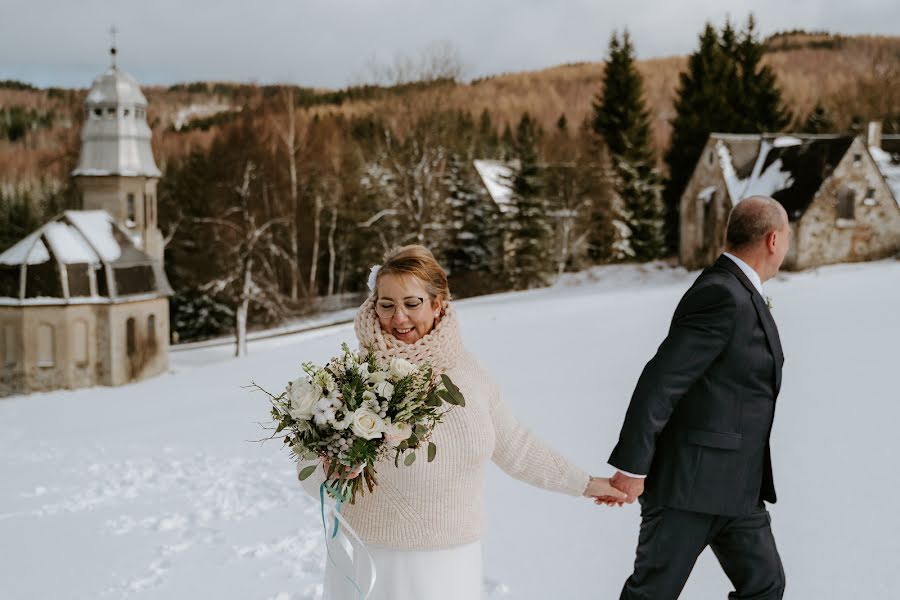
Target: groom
695,442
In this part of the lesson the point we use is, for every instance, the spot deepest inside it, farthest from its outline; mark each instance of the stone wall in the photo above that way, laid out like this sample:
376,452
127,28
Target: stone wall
702,222
46,347
821,237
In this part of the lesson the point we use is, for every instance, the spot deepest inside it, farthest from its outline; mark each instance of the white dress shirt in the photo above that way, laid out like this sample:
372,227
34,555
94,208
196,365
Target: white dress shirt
752,275
756,280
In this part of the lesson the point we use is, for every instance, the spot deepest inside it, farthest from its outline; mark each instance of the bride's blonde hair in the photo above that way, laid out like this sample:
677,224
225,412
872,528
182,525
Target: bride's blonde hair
418,261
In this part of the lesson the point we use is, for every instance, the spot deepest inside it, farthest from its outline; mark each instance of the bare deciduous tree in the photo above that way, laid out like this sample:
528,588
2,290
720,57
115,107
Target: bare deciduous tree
251,276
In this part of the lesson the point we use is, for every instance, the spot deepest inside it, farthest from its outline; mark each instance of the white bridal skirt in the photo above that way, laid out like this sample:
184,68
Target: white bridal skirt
451,574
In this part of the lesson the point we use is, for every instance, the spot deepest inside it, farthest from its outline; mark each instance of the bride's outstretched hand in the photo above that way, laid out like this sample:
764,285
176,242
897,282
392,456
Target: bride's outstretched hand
602,491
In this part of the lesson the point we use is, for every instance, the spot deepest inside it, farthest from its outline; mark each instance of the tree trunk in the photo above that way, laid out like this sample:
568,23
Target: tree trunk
242,311
317,219
331,252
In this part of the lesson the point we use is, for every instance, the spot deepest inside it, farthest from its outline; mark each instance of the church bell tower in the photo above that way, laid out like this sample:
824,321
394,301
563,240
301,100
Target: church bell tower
116,171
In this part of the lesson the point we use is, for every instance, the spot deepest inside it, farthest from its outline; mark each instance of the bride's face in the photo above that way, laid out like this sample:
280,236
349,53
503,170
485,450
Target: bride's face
404,308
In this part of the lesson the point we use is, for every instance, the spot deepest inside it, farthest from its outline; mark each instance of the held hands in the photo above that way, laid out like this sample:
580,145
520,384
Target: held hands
601,490
633,487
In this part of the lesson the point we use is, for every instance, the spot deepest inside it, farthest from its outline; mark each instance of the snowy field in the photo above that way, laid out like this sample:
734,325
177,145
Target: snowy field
154,490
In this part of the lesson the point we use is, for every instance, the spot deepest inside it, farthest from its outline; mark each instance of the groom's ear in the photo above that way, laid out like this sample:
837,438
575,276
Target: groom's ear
770,241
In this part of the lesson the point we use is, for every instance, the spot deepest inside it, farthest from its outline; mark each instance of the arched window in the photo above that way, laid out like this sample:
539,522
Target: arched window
46,346
132,211
130,341
151,330
80,343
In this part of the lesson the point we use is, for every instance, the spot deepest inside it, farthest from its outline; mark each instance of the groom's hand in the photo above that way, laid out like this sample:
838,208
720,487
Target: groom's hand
632,486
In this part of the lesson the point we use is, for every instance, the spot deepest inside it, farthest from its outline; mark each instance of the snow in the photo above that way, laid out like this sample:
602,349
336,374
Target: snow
155,490
496,175
761,182
67,244
92,231
706,194
186,114
783,141
890,169
97,227
29,250
734,185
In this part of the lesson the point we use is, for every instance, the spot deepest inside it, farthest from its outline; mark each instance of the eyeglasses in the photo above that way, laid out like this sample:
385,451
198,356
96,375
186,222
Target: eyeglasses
385,308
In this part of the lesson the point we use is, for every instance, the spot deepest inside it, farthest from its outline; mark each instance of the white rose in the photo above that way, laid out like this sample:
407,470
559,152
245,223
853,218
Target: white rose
400,367
378,377
302,398
366,424
395,433
385,389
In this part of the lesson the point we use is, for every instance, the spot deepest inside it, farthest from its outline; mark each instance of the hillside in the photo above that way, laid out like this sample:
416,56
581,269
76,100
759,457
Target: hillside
856,76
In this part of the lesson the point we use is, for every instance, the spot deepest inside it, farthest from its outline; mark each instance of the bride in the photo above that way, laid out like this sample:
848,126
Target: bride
423,524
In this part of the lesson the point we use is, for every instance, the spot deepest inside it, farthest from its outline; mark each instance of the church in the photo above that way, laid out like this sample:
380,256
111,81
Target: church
84,299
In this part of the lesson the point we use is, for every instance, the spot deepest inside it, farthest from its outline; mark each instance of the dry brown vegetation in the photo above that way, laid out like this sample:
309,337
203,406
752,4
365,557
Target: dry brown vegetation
850,76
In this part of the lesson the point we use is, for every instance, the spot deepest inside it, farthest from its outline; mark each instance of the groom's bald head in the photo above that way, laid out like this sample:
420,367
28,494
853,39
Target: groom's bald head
752,220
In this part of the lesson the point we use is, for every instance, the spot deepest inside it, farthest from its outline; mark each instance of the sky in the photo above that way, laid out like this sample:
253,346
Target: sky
333,43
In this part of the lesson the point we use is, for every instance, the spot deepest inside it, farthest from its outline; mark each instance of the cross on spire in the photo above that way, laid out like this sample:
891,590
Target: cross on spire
112,50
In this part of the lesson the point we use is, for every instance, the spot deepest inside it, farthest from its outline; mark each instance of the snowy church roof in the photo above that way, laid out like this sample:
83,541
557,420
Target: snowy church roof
115,139
80,257
790,169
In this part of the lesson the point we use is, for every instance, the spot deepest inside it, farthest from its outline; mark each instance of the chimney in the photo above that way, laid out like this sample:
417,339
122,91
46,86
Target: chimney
873,139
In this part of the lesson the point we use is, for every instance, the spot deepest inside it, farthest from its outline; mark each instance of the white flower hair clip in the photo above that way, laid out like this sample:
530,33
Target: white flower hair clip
373,276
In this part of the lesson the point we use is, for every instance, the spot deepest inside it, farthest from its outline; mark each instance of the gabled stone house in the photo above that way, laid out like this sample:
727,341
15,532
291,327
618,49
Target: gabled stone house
841,193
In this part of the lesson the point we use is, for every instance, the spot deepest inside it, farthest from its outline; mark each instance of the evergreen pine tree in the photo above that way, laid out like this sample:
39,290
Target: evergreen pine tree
529,233
726,89
757,98
471,221
621,118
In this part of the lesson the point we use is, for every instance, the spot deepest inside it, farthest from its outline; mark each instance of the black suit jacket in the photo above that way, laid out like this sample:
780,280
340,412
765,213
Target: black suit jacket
700,417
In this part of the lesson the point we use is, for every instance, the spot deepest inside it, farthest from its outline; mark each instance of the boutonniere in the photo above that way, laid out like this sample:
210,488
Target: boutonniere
769,302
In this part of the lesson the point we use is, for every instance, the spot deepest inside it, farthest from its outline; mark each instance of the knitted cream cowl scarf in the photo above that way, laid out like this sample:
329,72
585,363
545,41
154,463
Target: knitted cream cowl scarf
441,348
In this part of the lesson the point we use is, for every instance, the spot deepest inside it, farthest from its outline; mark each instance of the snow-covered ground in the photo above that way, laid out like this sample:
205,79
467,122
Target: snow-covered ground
155,490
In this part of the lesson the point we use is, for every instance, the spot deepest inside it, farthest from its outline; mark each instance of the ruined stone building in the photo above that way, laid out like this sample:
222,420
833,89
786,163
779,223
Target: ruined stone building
84,299
841,193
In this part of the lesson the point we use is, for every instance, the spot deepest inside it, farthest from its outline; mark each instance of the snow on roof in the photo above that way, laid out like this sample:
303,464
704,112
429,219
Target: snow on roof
76,236
496,176
706,194
68,245
765,179
890,169
27,251
97,228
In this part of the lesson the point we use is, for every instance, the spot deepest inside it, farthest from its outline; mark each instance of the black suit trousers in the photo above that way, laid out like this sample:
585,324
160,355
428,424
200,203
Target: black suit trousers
671,540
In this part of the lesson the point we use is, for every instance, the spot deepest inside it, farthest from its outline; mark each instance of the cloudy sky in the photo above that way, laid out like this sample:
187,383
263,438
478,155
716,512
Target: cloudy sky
330,43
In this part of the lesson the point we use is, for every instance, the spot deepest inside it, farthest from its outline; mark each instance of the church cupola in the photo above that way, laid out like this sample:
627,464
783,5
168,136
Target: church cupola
116,171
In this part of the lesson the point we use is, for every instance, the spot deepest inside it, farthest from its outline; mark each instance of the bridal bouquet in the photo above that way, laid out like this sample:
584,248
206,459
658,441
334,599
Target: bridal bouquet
357,410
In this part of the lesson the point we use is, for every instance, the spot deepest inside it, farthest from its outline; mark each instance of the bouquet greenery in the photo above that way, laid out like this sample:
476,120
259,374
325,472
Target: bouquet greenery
358,410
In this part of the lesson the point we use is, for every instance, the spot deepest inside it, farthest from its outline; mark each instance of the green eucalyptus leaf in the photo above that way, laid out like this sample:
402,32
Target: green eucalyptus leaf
432,451
410,459
307,471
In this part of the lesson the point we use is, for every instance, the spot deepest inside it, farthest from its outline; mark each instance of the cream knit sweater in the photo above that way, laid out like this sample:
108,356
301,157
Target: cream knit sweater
440,504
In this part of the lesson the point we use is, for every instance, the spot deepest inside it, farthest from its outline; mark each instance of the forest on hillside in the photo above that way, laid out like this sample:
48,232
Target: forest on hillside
307,188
